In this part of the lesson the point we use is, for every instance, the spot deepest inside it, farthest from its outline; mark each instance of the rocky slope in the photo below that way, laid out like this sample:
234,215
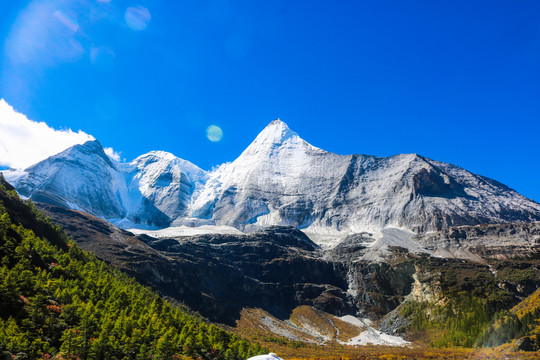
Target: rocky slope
279,179
309,325
502,241
279,269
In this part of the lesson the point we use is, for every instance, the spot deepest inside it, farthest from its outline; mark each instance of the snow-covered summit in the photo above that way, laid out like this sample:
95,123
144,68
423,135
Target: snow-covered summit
276,130
276,135
273,172
157,162
282,179
89,148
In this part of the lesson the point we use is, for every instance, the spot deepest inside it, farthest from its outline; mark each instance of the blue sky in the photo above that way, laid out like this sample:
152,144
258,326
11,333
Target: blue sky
456,81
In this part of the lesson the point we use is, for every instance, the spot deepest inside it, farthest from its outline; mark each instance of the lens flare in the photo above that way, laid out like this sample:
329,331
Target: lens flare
68,21
102,58
137,17
214,133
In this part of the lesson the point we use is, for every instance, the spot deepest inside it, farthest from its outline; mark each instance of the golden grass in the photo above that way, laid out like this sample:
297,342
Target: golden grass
398,353
529,304
258,324
308,318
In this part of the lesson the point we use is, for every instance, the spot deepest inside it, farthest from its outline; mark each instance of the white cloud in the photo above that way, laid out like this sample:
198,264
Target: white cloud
24,142
116,156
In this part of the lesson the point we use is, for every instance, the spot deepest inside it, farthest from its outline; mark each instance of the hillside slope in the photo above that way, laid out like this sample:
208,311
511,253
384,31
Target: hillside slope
59,299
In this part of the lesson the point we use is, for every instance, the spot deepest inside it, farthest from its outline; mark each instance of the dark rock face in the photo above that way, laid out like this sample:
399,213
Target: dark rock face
149,214
276,269
526,344
437,184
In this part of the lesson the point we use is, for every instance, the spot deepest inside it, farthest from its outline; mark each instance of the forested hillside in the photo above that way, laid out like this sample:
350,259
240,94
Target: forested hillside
473,305
57,299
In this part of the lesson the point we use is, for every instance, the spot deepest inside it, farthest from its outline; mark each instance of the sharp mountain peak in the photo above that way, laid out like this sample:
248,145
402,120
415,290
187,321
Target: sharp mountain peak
276,131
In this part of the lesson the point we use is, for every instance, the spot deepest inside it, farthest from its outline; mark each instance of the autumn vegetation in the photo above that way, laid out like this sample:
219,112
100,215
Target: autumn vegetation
60,301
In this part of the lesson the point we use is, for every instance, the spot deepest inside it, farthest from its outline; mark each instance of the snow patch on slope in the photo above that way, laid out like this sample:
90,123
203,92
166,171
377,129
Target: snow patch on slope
353,320
371,335
325,237
375,337
177,231
392,237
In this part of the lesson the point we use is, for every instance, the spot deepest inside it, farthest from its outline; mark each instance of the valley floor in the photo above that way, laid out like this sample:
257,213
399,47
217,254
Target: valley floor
398,353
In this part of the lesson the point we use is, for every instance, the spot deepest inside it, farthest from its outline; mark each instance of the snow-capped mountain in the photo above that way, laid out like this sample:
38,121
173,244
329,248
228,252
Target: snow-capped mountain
279,179
151,190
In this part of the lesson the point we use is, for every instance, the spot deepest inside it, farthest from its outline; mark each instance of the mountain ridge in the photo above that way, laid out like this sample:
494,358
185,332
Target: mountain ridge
280,179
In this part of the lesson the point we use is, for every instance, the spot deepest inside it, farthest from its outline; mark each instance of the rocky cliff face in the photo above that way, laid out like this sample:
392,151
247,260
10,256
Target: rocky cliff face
279,179
279,269
275,269
501,241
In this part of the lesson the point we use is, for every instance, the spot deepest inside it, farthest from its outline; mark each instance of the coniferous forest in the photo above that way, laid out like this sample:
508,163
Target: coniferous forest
58,300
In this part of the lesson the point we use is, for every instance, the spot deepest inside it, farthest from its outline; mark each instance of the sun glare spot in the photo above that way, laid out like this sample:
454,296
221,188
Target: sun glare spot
214,133
137,17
